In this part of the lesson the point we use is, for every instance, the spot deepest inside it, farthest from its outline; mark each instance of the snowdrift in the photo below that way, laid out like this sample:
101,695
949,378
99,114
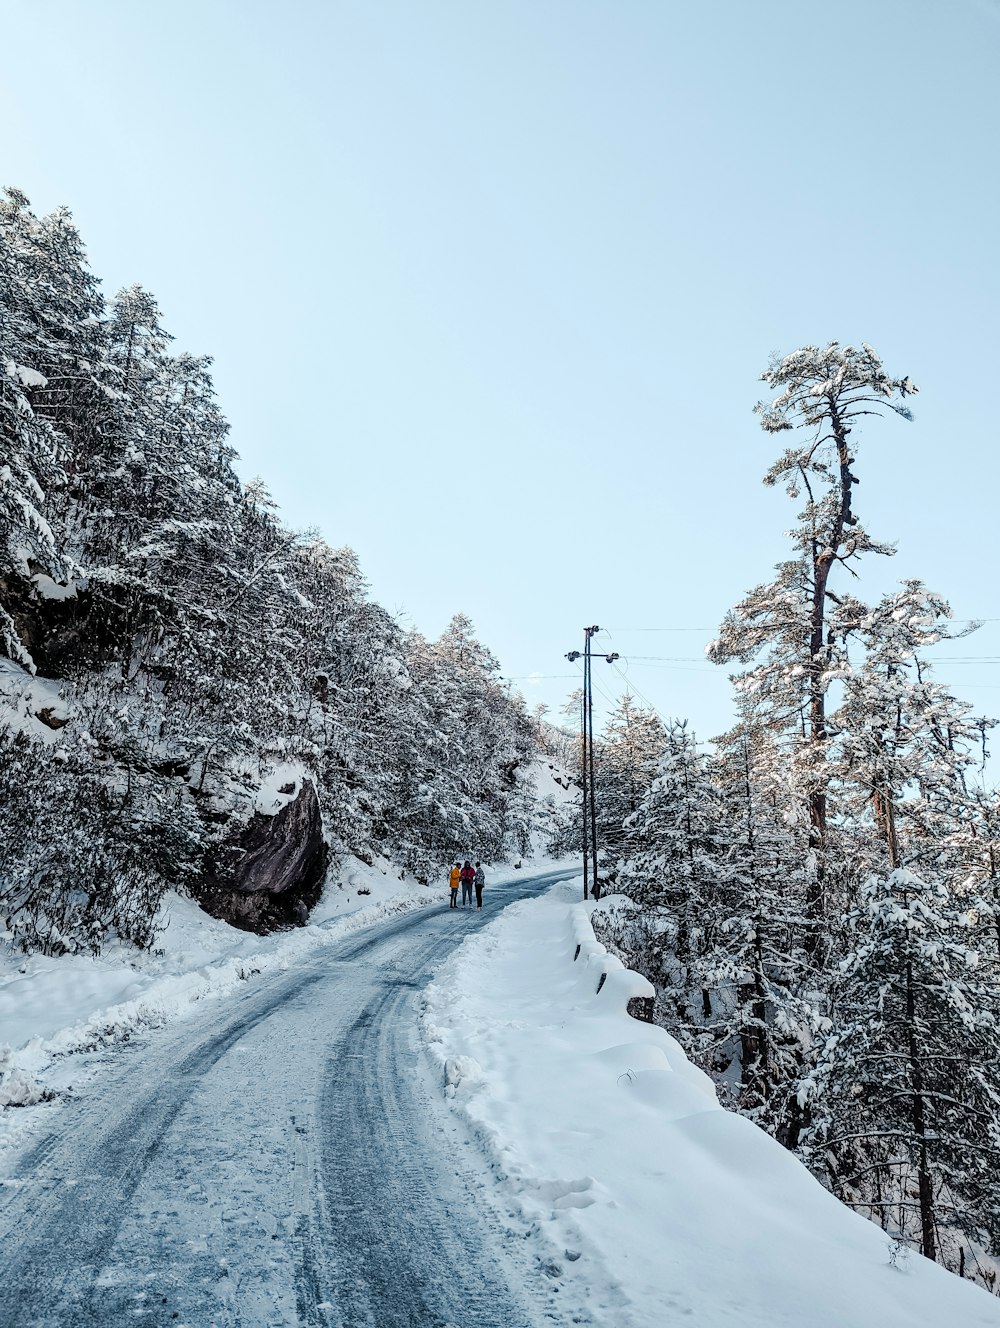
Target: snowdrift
638,1186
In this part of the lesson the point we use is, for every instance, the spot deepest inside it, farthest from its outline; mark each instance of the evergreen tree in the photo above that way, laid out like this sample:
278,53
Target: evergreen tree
906,1097
767,1011
674,849
48,316
631,747
797,622
566,833
468,738
902,739
908,1087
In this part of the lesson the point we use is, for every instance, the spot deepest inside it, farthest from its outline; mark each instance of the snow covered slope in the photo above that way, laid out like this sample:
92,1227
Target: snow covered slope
626,1169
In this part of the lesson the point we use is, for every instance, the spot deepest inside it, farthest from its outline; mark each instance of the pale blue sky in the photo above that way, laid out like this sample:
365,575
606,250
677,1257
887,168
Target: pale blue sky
489,285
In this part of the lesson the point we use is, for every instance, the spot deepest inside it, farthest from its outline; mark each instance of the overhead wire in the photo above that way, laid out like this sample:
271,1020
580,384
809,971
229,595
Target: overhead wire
536,677
628,683
611,700
681,665
672,668
697,664
954,621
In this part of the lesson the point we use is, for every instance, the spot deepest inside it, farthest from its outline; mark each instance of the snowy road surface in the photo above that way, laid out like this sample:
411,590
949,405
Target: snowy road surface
281,1158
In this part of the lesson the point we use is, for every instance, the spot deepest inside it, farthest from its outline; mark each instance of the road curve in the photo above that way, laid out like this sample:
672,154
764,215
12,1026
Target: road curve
282,1158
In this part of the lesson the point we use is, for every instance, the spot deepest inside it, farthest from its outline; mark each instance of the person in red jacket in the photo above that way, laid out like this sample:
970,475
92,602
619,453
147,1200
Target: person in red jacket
467,876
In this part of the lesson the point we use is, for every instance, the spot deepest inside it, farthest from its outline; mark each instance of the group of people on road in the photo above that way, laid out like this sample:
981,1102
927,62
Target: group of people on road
469,878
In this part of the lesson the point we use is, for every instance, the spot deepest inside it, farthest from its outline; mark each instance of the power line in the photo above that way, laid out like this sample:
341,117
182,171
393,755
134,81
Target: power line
611,700
953,621
537,677
642,697
679,668
693,664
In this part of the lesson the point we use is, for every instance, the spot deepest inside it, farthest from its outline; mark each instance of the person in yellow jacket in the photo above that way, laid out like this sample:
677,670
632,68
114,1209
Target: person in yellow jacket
453,880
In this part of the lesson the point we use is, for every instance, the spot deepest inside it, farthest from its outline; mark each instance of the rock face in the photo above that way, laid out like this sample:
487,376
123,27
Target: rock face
268,872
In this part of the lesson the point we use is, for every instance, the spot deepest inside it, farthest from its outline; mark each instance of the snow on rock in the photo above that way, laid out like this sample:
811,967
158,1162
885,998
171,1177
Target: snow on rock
280,785
17,1087
461,1069
283,850
552,781
47,588
629,1174
29,704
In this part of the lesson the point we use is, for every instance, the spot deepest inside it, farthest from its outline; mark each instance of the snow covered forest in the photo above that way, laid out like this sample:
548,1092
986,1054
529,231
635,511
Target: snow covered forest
815,895
192,695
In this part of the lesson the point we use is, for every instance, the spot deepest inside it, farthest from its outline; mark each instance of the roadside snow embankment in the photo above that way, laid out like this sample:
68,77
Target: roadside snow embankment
623,1163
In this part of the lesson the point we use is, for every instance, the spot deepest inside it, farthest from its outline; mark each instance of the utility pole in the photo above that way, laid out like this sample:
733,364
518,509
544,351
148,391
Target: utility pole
588,690
587,760
573,656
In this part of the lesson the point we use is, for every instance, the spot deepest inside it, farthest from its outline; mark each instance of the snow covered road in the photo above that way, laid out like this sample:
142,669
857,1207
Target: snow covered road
279,1158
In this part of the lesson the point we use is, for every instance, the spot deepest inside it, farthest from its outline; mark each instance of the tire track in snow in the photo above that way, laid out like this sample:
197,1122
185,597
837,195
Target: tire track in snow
189,1193
89,1207
434,1265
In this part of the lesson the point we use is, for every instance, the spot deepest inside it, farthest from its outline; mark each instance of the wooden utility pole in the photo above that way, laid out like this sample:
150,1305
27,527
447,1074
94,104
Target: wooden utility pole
587,763
588,687
584,768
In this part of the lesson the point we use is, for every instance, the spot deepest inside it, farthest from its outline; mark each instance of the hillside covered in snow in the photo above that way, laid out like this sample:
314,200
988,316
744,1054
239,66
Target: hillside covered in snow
194,697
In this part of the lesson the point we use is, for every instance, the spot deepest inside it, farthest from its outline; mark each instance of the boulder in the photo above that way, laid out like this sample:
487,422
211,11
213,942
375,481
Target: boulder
268,872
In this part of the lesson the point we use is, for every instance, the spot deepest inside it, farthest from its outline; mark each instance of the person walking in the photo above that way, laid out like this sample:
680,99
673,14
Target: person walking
480,881
453,879
468,876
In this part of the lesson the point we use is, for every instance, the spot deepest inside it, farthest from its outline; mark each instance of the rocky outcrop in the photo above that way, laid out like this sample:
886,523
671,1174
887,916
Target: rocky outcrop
268,872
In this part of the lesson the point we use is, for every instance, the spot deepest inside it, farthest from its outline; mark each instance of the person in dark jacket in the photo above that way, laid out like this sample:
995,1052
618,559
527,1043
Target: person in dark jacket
467,876
479,881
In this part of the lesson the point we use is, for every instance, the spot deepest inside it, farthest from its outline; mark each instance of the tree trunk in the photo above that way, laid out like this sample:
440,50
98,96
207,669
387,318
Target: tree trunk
884,811
824,550
925,1189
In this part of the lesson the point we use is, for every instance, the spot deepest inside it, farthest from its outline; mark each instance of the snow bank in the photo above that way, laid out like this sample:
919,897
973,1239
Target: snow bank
659,1205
